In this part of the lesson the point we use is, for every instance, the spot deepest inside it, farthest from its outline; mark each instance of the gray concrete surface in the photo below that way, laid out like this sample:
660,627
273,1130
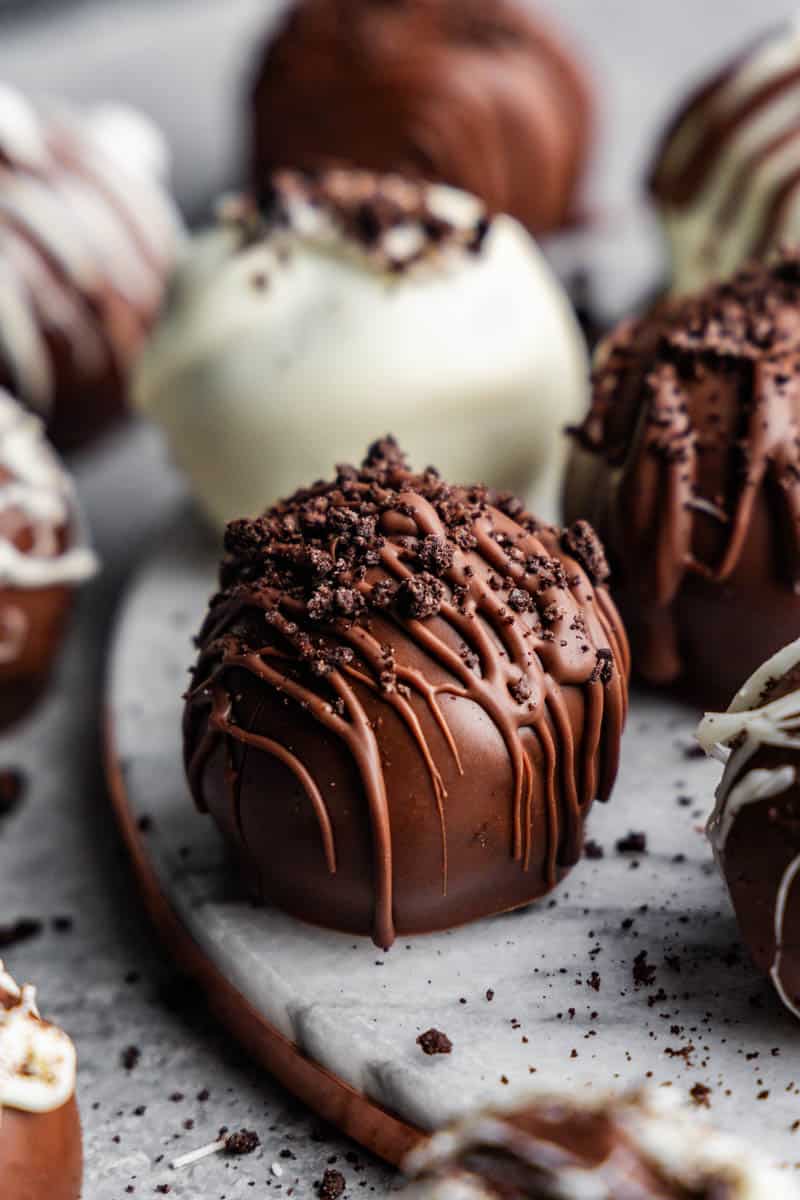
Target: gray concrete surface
60,855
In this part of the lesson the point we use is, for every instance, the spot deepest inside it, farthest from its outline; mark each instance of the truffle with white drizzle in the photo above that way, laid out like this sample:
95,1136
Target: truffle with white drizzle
43,556
642,1146
755,826
88,236
726,179
40,1137
354,301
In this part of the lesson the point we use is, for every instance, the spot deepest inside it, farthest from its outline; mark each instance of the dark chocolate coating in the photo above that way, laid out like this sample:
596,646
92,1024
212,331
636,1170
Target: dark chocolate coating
474,93
688,466
40,1154
406,699
552,1148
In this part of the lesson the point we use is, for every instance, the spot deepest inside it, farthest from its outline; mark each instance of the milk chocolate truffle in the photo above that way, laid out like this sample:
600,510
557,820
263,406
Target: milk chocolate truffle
688,466
475,93
407,697
755,826
726,178
637,1147
88,236
40,1133
355,301
43,557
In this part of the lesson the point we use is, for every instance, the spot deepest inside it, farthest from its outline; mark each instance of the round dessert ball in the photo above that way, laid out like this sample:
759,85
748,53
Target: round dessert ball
642,1146
726,177
755,826
351,301
88,237
688,466
40,1134
43,557
478,94
406,699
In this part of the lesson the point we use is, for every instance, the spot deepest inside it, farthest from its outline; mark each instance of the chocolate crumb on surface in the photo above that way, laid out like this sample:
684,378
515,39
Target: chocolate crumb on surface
13,784
242,1141
433,1041
593,849
632,843
332,1186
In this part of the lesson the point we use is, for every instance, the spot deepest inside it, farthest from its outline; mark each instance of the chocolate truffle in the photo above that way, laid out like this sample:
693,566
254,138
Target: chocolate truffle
88,236
43,556
407,697
637,1147
726,178
40,1133
688,466
755,826
475,93
356,301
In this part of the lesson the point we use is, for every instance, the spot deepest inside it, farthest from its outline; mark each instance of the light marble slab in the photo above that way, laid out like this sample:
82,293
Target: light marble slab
706,1017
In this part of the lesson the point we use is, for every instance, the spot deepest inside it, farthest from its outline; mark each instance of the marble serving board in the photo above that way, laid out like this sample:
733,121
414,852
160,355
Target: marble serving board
631,971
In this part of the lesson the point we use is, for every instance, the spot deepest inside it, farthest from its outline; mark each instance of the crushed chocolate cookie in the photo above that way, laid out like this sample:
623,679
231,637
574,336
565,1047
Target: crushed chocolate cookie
433,1041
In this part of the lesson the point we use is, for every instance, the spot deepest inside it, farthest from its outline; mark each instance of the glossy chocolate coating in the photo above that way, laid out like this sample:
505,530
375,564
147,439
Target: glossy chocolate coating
406,699
474,93
688,465
40,1154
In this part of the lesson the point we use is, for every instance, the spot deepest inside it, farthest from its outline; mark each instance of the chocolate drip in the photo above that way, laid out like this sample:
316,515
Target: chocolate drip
693,431
508,618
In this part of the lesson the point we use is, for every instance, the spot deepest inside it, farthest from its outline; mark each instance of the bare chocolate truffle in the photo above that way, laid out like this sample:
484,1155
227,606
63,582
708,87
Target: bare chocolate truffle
43,557
475,93
688,466
636,1147
755,826
408,695
88,236
40,1135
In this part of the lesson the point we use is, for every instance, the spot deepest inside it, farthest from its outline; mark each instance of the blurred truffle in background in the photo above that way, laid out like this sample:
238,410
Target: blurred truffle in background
726,179
88,237
479,94
43,557
349,302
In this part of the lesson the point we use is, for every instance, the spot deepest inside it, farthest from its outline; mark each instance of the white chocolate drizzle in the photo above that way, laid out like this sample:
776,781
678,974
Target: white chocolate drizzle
748,725
37,1060
41,491
674,1141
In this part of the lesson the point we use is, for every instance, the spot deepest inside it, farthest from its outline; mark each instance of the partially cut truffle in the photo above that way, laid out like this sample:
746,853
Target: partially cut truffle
407,697
43,558
688,466
88,236
726,178
755,826
475,93
40,1135
637,1147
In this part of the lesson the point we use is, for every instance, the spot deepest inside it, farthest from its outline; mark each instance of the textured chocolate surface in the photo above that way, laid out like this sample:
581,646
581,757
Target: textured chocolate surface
632,1148
755,827
407,697
688,465
87,238
473,93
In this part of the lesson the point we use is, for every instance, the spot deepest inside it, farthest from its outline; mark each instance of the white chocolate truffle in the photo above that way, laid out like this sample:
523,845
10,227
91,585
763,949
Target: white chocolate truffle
726,179
37,1059
353,306
574,1148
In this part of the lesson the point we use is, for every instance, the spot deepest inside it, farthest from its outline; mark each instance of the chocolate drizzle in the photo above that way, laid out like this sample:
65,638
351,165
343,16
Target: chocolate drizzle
497,603
695,417
470,93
